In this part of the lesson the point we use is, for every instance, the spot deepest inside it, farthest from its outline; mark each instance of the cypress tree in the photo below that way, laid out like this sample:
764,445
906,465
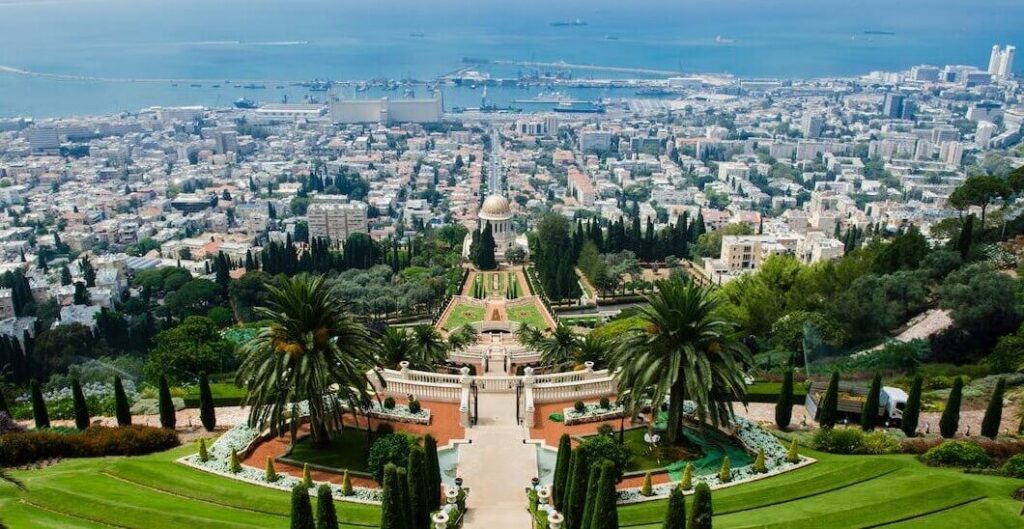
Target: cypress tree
270,473
994,412
588,506
81,408
433,473
869,415
207,415
39,413
307,476
912,413
234,465
326,516
675,515
784,406
121,406
579,470
963,244
302,511
725,473
605,509
3,405
391,507
792,456
167,418
700,514
561,470
204,455
403,494
687,482
950,420
418,489
828,408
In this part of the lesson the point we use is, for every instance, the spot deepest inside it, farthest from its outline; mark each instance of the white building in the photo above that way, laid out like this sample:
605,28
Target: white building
336,220
595,140
387,110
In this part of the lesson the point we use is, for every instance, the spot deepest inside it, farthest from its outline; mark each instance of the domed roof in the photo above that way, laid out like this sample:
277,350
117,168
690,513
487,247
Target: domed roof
496,205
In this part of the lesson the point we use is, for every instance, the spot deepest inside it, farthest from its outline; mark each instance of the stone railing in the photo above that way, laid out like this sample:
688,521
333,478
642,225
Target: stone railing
495,326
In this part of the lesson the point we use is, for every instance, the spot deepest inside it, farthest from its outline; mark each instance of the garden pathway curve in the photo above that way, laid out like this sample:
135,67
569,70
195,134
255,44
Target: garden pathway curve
497,466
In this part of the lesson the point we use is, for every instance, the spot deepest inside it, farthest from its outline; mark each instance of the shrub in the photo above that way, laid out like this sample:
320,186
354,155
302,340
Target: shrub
605,429
957,454
604,447
647,489
792,455
1014,467
326,515
879,442
307,476
605,403
414,406
700,514
389,403
392,448
20,448
385,428
270,474
346,485
838,440
204,455
687,482
759,465
675,515
234,465
9,425
725,474
579,406
302,511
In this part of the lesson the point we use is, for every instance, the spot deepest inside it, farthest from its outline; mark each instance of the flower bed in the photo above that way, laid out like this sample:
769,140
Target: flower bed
241,438
592,412
400,413
19,448
754,438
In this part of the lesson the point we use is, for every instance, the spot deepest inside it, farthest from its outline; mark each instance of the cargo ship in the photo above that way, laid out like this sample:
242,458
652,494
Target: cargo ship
245,103
569,23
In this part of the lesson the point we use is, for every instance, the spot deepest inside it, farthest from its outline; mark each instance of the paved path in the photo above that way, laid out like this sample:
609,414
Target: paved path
497,466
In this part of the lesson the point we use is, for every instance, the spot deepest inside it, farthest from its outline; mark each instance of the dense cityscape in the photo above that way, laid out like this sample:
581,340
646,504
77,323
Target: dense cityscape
703,299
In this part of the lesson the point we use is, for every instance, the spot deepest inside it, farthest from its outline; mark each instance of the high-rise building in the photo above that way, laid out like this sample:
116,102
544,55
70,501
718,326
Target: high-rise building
811,125
43,139
893,106
595,140
994,60
983,135
336,220
952,153
924,73
1006,63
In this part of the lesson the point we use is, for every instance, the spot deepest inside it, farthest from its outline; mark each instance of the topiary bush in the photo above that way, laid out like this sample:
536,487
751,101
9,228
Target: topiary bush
389,403
647,489
579,406
392,448
963,454
838,440
605,403
414,406
1014,467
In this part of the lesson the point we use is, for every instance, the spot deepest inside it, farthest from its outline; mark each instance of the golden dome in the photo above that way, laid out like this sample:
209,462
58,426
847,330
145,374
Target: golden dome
496,206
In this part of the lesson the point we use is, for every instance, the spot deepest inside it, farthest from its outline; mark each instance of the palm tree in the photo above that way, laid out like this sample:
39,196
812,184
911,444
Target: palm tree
397,346
528,335
593,348
462,338
560,347
7,478
430,344
312,350
681,349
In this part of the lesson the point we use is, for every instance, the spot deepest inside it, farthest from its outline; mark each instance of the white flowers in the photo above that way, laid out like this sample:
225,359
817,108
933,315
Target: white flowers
591,413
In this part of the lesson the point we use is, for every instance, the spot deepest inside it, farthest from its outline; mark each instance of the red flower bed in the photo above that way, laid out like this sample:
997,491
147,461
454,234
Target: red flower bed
20,448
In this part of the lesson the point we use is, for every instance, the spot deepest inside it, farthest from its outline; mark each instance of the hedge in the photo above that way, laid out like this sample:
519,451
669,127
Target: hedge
22,448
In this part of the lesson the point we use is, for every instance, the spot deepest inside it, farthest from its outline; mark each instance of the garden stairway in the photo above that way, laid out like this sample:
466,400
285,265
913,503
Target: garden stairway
497,466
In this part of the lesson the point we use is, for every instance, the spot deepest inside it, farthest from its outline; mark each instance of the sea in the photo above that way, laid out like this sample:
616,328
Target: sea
108,56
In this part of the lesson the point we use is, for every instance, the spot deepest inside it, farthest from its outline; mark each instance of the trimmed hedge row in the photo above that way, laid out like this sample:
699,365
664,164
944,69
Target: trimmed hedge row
22,448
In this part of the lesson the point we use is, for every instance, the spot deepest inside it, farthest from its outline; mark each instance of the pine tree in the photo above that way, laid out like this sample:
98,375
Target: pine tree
167,417
121,407
700,513
326,516
302,511
912,411
391,508
994,412
869,414
433,473
784,406
417,493
828,408
207,414
605,509
950,420
675,515
39,413
561,470
81,408
687,482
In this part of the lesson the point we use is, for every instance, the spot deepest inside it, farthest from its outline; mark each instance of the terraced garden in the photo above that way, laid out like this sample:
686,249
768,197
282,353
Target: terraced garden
856,492
528,314
150,491
462,314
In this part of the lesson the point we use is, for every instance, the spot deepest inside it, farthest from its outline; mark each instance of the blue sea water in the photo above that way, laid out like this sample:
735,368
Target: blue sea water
345,39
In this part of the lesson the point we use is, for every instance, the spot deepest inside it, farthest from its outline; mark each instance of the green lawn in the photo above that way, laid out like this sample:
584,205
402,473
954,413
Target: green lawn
856,491
529,315
347,451
462,314
150,492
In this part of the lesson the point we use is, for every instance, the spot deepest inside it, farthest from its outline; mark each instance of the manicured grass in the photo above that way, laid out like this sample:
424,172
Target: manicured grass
529,315
856,491
150,492
769,392
499,290
462,314
347,451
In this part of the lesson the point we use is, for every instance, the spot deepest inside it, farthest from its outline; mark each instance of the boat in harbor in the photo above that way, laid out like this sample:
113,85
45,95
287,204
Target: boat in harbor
244,103
253,86
569,23
583,107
